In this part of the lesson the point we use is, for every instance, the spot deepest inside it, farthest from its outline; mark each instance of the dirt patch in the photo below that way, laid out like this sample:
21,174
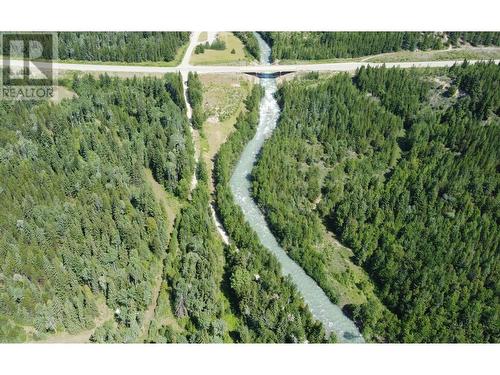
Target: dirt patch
61,93
82,337
223,99
223,94
202,38
170,204
466,52
212,120
150,311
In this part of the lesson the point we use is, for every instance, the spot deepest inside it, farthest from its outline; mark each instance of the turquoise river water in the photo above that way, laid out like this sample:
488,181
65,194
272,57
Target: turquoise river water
321,307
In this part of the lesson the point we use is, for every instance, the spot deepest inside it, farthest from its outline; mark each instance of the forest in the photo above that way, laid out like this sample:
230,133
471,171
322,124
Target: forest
402,166
192,278
78,222
217,44
93,253
195,98
250,42
270,306
329,45
475,38
220,293
131,47
102,234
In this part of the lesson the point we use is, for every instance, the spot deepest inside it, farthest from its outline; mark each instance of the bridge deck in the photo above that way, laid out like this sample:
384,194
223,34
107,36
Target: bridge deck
250,69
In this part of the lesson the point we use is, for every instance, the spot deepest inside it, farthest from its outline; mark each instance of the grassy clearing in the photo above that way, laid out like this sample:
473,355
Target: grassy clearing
170,204
485,53
159,310
163,315
105,314
61,93
223,94
322,61
150,311
223,99
351,282
469,53
225,57
203,37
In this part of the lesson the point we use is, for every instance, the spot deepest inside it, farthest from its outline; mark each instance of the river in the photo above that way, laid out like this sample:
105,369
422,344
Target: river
329,314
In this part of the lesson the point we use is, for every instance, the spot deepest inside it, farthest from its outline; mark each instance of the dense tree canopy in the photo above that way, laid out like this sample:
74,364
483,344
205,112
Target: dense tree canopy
250,42
87,249
328,45
217,45
77,219
195,98
402,166
194,269
476,38
270,306
121,46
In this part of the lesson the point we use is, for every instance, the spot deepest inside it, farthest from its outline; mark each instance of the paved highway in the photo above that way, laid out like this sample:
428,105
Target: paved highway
185,67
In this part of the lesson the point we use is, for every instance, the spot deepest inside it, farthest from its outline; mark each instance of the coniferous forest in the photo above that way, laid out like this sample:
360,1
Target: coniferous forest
250,42
402,166
132,47
92,255
249,188
195,98
476,38
329,45
269,303
78,220
381,184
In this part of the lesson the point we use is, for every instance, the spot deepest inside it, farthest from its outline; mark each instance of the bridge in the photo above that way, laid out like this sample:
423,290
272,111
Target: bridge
259,70
256,70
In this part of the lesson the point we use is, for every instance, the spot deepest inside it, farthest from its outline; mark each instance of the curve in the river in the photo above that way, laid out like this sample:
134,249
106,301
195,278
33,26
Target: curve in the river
321,307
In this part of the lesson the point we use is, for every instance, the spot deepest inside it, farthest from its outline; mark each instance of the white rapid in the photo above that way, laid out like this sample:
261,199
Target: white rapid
321,307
